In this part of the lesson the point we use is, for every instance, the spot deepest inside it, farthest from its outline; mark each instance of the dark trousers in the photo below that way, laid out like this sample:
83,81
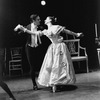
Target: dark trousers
33,59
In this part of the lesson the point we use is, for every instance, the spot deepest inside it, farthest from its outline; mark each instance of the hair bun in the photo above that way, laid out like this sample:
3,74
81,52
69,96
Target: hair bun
55,19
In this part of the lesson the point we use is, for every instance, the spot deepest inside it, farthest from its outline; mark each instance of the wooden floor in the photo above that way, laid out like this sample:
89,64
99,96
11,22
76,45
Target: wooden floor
87,87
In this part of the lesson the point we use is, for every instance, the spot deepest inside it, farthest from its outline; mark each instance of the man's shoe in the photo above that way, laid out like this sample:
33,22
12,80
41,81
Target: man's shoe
35,88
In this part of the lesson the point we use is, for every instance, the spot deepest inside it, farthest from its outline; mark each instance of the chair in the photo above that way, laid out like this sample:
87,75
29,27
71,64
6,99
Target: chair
15,64
77,52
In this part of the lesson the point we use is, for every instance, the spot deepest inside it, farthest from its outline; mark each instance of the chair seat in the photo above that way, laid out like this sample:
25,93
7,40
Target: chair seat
15,60
79,58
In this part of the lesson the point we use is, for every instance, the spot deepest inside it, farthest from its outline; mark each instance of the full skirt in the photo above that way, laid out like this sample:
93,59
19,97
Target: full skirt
57,67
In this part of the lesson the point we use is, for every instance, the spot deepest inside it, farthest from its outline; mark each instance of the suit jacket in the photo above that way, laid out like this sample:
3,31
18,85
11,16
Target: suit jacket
29,35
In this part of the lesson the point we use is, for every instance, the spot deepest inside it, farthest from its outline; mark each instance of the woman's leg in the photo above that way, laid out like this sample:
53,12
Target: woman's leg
54,88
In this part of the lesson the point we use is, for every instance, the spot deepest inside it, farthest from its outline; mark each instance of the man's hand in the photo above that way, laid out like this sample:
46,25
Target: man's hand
17,27
20,27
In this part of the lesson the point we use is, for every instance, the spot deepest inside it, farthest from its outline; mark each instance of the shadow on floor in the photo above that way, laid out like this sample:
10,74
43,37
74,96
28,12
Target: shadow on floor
61,88
66,88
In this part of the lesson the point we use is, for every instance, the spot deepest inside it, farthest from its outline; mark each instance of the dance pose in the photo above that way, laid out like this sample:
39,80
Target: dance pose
57,67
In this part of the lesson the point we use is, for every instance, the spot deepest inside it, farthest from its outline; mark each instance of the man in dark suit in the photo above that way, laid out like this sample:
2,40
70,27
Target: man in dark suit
32,47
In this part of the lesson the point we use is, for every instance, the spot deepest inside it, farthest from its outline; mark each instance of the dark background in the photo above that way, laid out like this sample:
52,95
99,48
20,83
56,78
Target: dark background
76,15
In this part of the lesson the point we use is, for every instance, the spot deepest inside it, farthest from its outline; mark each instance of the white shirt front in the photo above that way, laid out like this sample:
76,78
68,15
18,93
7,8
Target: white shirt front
33,37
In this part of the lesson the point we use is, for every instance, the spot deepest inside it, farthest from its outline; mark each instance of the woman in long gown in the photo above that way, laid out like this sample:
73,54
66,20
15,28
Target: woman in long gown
57,67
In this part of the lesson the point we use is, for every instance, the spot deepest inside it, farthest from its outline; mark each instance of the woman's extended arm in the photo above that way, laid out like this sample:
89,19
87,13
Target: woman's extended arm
72,33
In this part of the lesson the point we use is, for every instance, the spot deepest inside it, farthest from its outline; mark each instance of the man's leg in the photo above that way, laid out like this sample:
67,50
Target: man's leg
33,76
31,59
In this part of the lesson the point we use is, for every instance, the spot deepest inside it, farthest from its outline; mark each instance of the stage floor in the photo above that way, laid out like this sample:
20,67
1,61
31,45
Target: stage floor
87,87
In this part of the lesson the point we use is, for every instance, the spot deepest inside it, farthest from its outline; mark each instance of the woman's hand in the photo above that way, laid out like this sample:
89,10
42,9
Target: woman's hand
79,34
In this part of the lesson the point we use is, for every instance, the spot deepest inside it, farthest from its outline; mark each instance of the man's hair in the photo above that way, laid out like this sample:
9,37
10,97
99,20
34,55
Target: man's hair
33,17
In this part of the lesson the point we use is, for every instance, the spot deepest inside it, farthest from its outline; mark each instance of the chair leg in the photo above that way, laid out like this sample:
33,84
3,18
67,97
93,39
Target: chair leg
9,72
79,64
87,66
22,71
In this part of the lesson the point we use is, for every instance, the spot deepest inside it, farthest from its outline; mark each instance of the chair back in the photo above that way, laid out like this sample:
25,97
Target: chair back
77,52
73,46
16,53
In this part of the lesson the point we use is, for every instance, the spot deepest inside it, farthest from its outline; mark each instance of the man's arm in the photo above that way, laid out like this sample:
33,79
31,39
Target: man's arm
21,29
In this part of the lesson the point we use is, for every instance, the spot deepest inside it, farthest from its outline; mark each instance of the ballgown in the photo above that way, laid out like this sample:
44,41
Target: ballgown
57,66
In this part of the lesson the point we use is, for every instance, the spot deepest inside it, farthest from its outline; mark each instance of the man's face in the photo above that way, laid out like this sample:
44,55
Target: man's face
37,21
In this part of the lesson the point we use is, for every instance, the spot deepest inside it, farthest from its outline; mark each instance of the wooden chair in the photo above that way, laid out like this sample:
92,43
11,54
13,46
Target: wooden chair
15,63
77,52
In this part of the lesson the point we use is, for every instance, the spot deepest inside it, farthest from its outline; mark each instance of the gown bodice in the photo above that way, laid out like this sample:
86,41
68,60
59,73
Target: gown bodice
53,33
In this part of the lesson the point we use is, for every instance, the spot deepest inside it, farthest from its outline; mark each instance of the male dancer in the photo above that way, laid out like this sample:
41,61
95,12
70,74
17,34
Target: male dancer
32,47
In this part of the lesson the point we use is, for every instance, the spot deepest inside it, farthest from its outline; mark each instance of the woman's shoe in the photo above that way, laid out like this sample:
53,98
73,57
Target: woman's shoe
53,88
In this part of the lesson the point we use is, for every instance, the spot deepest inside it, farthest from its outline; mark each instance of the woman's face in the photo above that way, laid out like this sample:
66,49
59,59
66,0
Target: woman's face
48,20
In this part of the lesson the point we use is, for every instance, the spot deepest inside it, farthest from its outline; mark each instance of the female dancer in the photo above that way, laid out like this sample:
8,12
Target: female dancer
57,67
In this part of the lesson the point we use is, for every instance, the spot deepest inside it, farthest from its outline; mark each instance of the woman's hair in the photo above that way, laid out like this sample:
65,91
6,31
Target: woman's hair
33,17
53,19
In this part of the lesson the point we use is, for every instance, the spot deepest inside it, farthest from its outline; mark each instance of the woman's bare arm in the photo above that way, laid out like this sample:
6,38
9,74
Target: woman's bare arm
71,32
